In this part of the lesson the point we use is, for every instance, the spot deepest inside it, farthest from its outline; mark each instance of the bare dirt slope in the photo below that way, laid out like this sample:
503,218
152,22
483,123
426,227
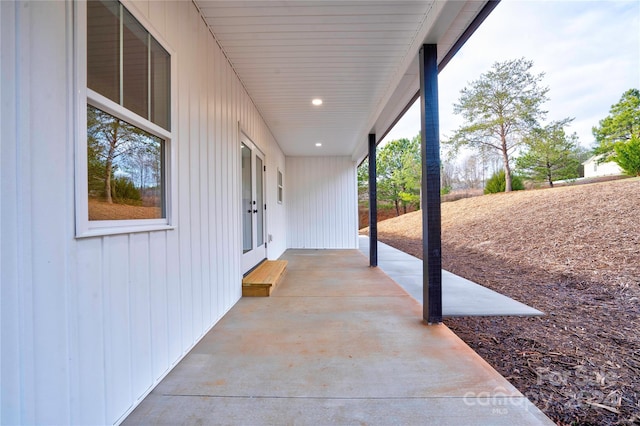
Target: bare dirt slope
572,252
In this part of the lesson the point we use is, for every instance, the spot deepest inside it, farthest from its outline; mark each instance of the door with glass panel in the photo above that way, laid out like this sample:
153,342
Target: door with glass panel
253,205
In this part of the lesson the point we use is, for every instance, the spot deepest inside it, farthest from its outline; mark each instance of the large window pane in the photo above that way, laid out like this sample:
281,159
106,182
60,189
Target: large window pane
260,201
247,198
125,169
135,73
160,78
103,48
126,165
135,65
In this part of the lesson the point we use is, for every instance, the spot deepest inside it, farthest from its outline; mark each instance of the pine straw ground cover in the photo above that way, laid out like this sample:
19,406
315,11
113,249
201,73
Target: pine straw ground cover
101,210
571,252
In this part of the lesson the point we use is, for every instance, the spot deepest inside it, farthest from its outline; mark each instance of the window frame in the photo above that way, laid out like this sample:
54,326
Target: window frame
84,96
279,185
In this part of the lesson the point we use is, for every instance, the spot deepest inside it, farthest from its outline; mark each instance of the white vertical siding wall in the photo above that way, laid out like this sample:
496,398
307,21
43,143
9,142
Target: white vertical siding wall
89,326
276,213
36,216
321,200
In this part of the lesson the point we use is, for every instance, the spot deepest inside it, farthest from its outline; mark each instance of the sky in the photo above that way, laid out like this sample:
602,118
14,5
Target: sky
588,50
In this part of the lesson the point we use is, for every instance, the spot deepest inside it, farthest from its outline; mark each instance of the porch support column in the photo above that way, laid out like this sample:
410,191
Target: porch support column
431,223
373,203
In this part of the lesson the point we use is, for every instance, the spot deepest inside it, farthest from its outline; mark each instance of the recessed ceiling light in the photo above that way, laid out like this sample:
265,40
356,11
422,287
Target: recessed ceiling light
318,144
317,102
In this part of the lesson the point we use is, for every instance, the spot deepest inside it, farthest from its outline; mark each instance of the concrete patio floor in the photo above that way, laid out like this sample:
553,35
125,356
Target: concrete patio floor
336,343
460,297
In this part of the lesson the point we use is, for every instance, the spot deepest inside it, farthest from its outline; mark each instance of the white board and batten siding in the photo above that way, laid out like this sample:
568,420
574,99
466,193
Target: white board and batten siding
90,325
322,209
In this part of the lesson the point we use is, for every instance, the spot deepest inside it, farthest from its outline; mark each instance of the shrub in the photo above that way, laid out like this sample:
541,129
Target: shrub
445,190
498,183
628,156
123,191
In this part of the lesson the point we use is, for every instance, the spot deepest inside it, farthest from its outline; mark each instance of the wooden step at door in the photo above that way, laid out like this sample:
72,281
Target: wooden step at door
263,280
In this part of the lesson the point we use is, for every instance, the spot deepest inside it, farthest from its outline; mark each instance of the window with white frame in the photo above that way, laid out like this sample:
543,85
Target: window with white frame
280,187
128,108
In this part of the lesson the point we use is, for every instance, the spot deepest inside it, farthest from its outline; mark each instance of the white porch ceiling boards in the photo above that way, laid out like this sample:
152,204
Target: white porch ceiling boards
359,57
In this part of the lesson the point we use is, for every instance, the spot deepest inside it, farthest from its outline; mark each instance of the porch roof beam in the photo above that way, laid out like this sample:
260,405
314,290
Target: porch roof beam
383,126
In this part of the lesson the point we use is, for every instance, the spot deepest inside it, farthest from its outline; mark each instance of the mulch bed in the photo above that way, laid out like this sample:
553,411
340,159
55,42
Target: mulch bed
573,253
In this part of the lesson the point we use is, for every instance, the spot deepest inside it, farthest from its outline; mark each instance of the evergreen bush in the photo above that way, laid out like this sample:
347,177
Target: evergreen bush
123,191
498,183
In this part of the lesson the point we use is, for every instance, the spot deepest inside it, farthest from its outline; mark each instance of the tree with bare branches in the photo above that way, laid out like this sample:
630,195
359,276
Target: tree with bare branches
500,109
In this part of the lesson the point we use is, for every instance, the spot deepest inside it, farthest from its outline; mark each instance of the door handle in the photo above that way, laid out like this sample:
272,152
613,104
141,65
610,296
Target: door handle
255,211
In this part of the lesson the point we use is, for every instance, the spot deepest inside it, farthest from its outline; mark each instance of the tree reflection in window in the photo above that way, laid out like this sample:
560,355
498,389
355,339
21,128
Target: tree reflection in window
125,169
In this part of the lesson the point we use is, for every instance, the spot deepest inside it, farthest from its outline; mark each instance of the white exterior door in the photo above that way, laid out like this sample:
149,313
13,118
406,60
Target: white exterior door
253,205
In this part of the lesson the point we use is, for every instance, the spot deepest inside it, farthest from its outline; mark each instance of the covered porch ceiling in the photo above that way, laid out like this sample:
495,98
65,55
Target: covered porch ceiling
359,57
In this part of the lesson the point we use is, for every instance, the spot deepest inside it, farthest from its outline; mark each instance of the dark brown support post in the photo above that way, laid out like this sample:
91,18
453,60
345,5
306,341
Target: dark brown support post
431,224
373,203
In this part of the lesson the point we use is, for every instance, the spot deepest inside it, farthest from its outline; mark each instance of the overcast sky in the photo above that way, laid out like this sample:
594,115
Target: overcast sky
588,50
